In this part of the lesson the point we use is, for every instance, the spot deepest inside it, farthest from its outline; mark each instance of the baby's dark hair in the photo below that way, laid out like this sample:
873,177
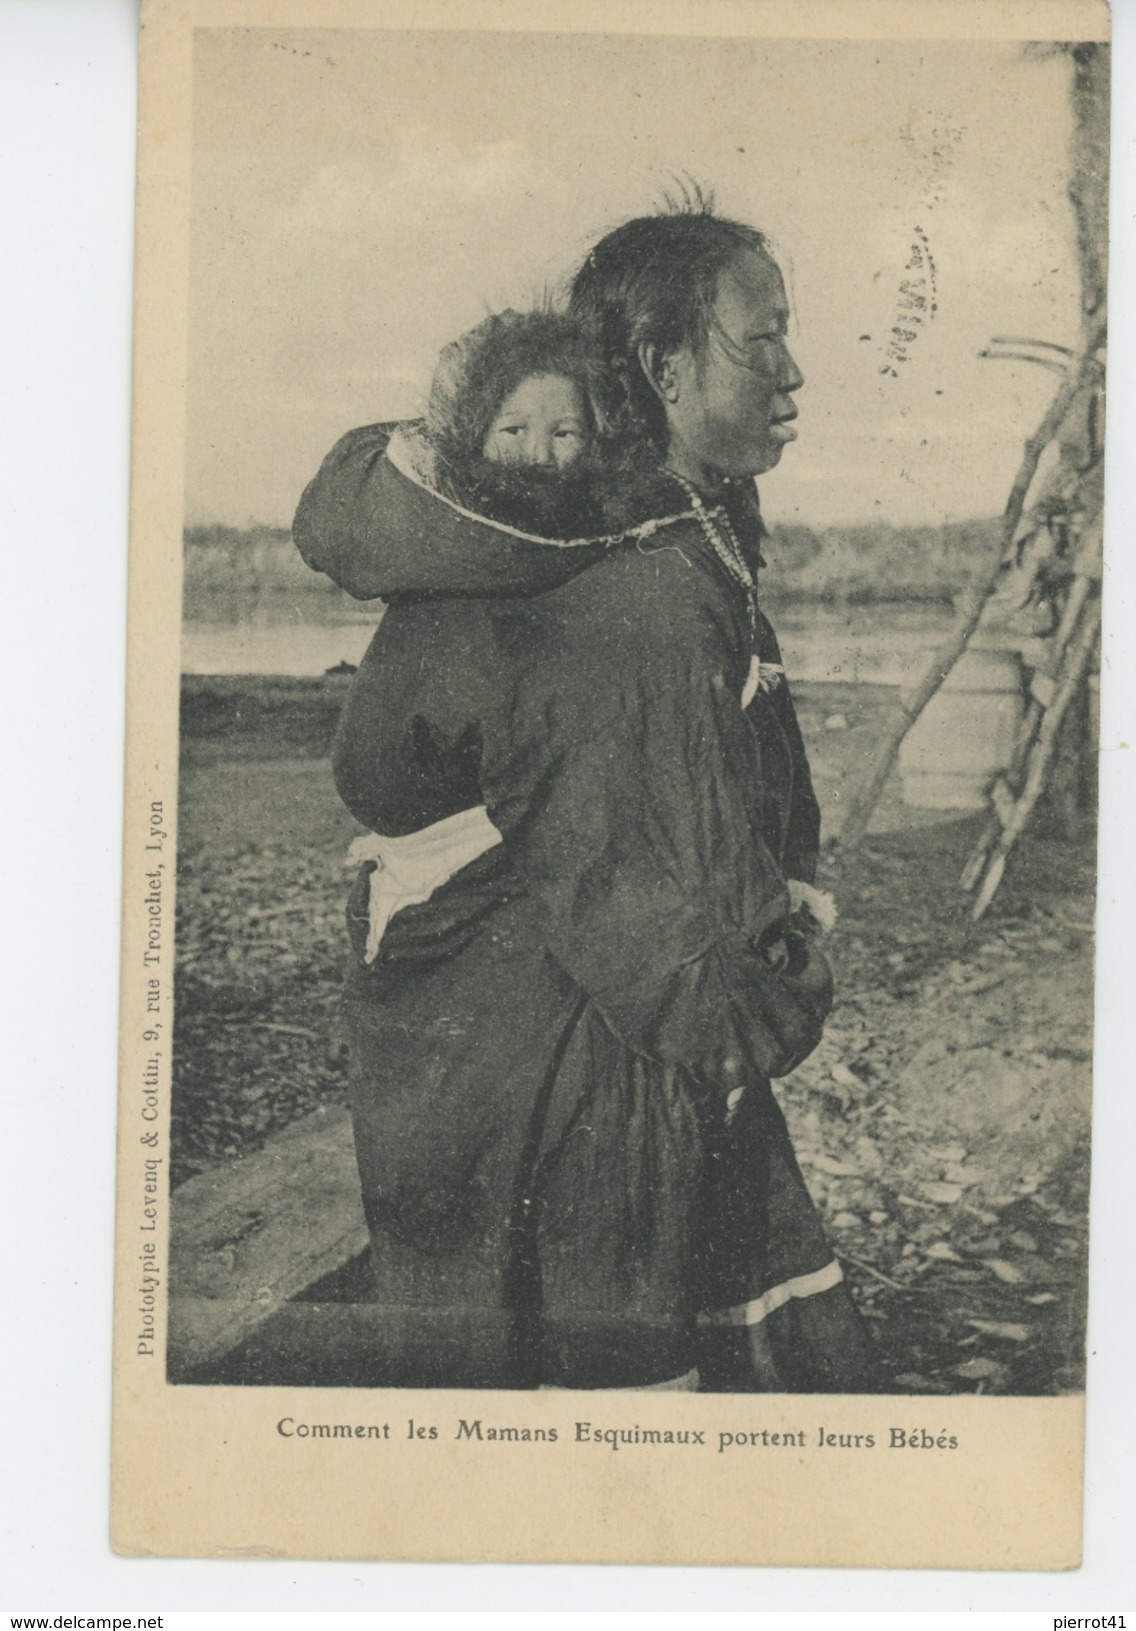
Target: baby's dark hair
477,373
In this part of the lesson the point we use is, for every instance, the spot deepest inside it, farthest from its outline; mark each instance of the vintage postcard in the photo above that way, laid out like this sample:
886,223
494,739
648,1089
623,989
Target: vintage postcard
610,830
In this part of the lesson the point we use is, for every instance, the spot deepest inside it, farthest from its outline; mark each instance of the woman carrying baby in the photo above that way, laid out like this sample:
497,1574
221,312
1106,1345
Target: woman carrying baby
573,1166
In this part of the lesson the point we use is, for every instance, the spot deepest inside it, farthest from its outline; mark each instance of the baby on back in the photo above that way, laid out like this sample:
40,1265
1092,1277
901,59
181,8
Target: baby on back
512,430
515,422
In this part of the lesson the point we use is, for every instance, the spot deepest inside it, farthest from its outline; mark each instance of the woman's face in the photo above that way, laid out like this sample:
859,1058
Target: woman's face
729,405
543,422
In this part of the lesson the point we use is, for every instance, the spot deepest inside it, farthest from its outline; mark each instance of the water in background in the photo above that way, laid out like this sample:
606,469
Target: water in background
870,645
272,648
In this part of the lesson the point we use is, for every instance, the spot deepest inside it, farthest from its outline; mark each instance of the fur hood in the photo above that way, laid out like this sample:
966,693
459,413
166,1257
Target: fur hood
478,372
633,501
375,522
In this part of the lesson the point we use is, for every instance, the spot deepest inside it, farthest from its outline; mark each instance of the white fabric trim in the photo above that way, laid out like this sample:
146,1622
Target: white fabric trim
687,1383
761,677
409,869
752,1313
401,450
819,902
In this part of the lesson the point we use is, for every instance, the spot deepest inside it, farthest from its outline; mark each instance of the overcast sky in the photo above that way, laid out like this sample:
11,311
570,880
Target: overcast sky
362,197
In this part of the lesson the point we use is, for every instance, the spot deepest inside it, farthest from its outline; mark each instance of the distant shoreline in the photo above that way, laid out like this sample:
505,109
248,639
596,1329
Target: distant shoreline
232,573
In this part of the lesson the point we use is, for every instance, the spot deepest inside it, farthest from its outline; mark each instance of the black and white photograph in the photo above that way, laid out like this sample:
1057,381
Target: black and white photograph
621,921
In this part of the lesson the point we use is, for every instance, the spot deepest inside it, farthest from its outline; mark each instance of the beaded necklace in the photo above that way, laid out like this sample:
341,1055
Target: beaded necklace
719,533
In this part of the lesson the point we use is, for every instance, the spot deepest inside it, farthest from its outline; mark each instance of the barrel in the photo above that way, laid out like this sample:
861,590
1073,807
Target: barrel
966,733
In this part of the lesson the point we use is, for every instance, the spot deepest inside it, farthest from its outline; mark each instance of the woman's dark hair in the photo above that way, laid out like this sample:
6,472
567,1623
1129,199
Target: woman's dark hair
654,281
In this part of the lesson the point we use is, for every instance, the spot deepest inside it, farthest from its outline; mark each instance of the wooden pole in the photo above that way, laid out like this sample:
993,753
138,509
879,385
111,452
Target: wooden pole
868,795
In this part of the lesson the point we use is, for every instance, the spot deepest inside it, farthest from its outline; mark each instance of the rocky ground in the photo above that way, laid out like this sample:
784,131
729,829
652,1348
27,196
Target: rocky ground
942,1124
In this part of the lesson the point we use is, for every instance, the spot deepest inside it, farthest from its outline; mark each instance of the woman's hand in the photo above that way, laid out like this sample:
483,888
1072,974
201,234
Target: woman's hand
812,984
815,981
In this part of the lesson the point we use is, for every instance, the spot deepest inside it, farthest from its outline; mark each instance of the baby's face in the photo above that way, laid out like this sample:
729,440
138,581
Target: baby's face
543,422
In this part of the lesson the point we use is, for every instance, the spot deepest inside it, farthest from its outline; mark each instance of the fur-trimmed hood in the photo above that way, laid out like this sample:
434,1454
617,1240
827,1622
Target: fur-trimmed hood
477,373
374,521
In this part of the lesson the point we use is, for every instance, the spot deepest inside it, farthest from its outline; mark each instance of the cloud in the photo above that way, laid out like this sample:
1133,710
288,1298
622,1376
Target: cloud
431,176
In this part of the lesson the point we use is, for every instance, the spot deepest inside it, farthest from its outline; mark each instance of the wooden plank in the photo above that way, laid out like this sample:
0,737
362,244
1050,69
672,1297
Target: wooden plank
246,1237
343,1344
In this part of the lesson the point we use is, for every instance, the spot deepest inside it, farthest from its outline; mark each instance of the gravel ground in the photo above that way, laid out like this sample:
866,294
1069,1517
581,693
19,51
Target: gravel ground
942,1125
